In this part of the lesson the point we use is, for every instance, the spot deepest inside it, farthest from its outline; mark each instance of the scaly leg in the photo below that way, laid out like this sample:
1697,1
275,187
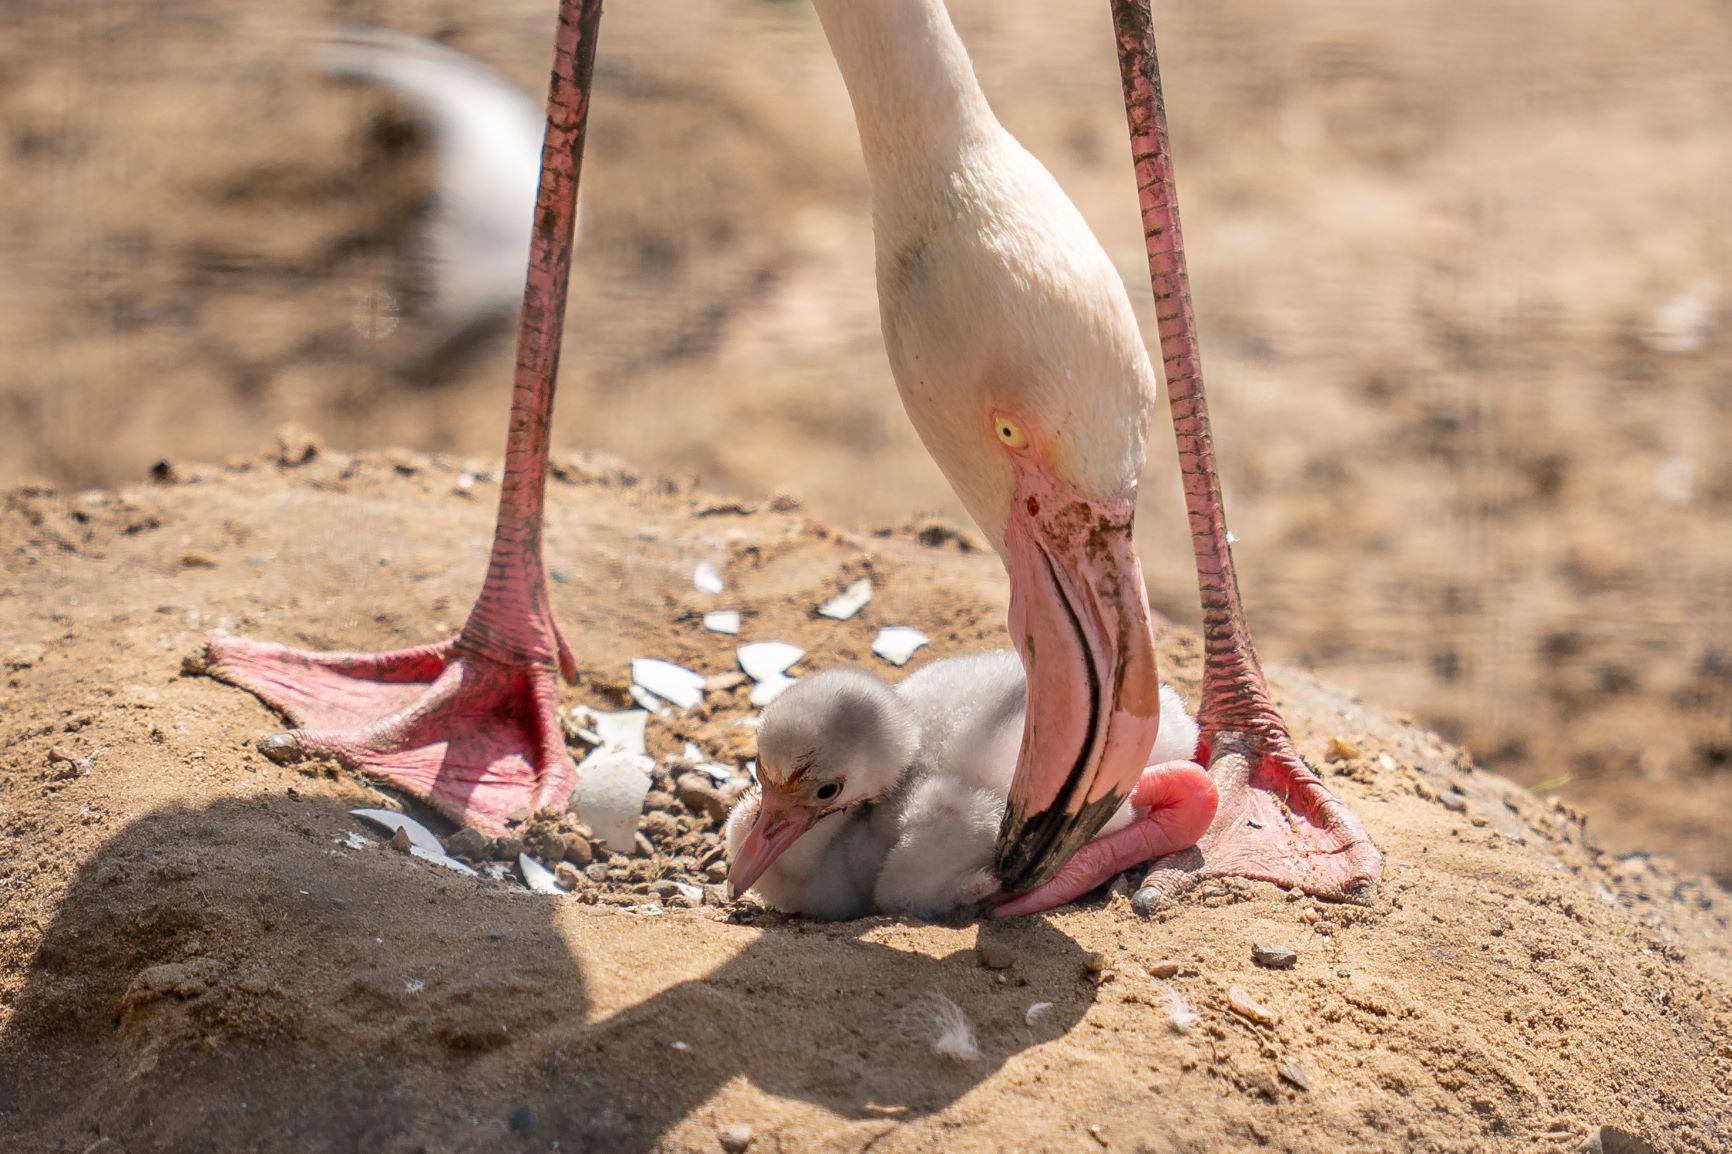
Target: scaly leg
1277,822
471,724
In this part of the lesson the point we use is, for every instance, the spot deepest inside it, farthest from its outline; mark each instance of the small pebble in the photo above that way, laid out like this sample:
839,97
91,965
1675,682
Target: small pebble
467,843
1340,749
1247,1007
578,851
596,873
546,844
1165,969
699,794
736,1138
1274,957
995,956
567,875
1294,1073
659,826
400,841
1094,962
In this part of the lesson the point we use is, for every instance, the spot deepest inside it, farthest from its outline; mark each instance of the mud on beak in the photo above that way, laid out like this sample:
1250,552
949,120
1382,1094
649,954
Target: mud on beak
1079,616
779,825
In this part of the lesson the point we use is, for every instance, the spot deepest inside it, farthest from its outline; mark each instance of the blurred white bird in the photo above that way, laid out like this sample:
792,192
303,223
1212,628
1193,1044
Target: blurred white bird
486,135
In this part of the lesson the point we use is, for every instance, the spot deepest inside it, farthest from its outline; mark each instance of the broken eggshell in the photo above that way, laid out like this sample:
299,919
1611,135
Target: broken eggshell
422,842
696,759
897,643
770,688
537,876
723,621
611,787
848,602
763,660
707,579
622,730
672,683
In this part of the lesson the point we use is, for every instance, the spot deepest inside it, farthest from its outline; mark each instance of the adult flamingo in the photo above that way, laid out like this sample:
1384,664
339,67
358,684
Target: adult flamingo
1019,362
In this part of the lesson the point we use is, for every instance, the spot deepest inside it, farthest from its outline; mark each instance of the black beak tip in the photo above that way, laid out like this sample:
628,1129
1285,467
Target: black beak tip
1034,847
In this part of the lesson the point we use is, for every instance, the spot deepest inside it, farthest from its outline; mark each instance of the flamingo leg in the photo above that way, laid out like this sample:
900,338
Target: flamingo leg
470,724
1277,821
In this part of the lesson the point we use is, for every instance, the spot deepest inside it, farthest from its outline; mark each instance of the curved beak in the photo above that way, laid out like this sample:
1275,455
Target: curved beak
780,824
1079,616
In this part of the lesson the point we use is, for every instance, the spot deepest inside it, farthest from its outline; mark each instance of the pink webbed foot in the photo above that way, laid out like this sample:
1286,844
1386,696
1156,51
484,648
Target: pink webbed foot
1276,823
477,738
470,725
1172,806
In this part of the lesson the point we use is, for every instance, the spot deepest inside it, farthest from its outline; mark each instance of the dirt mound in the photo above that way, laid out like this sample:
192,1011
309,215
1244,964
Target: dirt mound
197,952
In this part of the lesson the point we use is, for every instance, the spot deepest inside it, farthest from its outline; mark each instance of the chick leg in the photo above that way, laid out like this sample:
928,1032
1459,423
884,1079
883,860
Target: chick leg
469,724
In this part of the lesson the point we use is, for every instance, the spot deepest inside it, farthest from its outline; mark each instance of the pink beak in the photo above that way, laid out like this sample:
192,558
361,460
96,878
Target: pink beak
780,824
1079,616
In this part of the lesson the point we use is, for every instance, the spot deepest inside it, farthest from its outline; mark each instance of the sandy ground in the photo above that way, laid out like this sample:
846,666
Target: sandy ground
1463,274
197,955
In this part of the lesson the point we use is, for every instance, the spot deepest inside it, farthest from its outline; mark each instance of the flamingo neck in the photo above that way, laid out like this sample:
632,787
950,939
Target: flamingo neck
916,101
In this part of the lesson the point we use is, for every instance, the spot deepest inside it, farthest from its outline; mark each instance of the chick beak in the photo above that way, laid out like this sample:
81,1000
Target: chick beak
780,823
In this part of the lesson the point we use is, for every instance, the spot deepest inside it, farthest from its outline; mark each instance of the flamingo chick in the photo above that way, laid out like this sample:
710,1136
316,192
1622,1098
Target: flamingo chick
889,800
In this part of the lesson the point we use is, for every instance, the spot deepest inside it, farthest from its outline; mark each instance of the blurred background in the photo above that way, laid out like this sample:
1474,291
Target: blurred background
1463,271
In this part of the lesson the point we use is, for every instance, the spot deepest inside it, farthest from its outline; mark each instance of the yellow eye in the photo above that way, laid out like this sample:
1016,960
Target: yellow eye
1010,433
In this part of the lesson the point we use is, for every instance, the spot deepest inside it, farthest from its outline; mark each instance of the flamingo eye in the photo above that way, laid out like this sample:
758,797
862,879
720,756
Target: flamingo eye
1010,433
829,791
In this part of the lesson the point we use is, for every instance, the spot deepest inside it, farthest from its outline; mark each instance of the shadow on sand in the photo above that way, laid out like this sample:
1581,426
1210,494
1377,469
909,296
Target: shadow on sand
238,978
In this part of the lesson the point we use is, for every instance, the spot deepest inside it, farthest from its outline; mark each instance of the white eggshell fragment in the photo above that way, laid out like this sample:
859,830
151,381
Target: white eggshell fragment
622,730
706,579
763,660
422,842
723,621
897,643
537,876
672,683
849,602
647,700
770,688
611,787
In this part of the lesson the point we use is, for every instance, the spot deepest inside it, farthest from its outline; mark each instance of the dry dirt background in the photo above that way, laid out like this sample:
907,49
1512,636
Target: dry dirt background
1463,272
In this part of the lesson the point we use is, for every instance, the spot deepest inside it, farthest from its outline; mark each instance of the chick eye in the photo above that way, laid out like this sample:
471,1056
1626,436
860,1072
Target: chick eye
1010,433
828,791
